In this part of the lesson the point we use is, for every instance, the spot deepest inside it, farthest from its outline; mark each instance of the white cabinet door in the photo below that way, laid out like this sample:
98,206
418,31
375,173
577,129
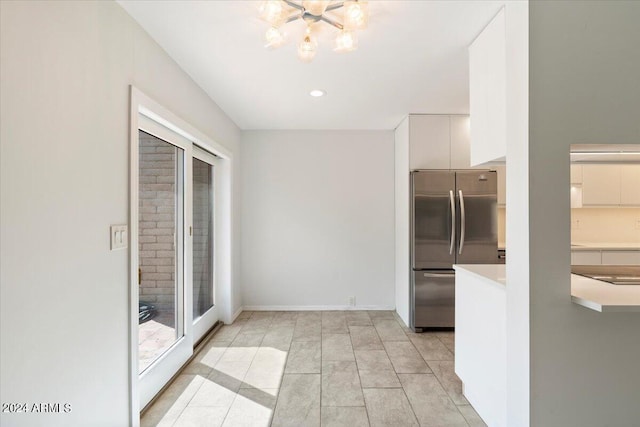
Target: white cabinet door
586,258
621,257
601,185
576,174
478,99
502,185
429,142
630,185
487,91
460,139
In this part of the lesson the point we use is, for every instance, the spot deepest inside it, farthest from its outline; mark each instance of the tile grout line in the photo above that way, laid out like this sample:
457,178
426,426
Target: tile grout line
281,377
432,373
285,368
364,399
394,368
435,376
198,389
245,374
194,394
440,382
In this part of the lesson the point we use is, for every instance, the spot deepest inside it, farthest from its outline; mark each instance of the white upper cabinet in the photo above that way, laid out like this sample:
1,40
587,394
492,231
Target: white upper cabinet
438,142
630,185
576,174
487,91
429,142
600,185
611,185
460,139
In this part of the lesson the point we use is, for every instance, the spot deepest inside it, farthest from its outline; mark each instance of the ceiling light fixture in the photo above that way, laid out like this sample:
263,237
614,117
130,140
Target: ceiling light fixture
277,13
317,93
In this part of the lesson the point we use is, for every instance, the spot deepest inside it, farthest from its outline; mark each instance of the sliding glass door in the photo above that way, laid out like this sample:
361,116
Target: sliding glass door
160,235
164,337
204,248
174,252
179,245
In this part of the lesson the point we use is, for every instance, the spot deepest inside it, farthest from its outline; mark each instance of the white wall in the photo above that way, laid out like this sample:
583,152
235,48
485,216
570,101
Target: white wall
66,68
517,206
584,68
402,220
317,219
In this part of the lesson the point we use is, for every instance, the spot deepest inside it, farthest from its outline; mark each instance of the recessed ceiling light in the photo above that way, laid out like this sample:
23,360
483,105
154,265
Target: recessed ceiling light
317,92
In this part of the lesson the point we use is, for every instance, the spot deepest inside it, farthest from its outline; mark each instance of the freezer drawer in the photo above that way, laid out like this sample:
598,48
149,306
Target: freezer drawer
433,299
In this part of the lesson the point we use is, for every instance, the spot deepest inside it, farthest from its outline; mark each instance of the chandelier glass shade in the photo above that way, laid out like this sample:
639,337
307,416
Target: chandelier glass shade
307,47
346,16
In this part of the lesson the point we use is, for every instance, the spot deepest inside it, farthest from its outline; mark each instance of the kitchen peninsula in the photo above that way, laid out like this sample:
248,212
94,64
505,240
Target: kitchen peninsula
480,341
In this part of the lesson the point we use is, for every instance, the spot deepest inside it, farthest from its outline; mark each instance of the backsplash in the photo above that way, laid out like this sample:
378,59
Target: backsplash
594,225
605,225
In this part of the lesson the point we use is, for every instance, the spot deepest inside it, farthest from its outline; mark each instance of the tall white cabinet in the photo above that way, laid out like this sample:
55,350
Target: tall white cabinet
487,93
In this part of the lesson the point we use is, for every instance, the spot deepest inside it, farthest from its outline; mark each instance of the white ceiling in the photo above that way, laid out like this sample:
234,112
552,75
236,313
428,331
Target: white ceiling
411,59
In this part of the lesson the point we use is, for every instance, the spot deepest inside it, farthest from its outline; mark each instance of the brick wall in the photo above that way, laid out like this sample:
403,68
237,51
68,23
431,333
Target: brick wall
157,223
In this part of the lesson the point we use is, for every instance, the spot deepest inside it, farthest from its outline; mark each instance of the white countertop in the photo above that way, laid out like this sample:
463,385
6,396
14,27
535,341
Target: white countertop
592,246
610,246
488,272
605,297
590,293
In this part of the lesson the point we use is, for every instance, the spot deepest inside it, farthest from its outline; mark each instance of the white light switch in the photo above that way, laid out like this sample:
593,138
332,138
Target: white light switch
119,237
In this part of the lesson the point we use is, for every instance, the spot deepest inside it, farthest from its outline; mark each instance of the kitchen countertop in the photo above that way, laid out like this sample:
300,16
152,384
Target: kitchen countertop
492,273
593,294
603,296
585,246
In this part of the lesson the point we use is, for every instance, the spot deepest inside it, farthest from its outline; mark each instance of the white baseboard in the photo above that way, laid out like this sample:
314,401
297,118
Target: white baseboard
316,307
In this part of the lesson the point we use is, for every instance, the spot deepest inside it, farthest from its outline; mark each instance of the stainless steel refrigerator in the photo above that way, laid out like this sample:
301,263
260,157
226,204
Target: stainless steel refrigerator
453,221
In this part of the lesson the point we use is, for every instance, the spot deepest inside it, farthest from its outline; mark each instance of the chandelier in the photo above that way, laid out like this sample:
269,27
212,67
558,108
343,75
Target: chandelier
354,14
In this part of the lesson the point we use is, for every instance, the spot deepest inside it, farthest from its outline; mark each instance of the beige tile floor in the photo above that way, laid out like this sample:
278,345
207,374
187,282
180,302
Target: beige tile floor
338,368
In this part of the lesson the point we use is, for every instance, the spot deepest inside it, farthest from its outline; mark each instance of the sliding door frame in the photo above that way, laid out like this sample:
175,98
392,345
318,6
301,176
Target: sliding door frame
149,113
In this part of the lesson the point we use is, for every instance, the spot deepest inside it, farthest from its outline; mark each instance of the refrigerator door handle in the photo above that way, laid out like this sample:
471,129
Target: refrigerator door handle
462,222
438,274
453,222
412,223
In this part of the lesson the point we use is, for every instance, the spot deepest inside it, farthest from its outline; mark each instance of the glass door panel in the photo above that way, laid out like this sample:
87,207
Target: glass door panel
203,256
203,291
160,254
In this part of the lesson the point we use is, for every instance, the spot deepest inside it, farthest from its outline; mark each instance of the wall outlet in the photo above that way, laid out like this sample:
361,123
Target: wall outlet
575,224
352,301
637,224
